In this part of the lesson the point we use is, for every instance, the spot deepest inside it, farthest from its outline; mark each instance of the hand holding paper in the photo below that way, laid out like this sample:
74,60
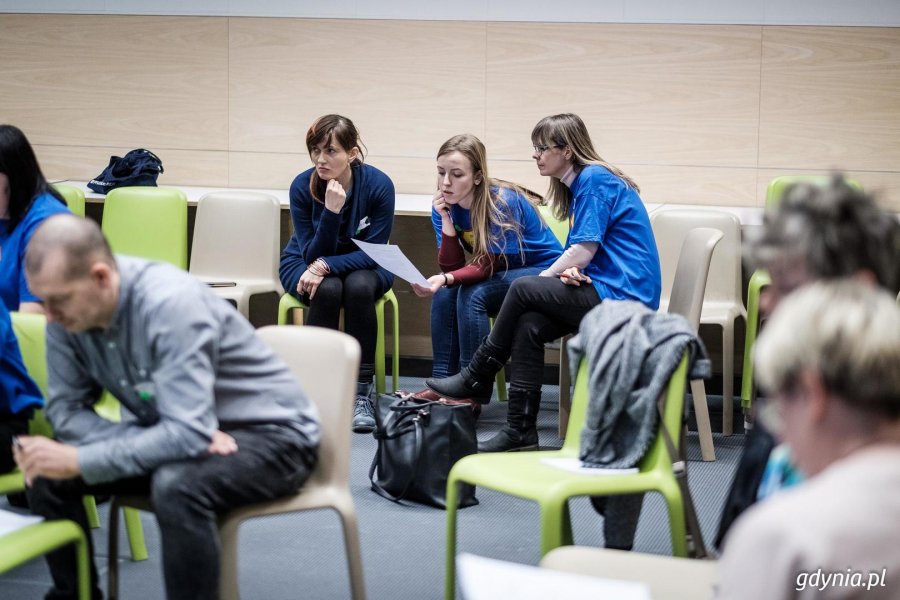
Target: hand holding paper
392,259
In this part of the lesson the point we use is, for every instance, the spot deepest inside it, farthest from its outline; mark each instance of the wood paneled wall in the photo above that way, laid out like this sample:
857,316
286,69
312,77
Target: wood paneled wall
698,114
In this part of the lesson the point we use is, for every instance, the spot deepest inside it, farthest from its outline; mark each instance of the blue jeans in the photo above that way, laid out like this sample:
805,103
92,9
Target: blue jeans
459,319
271,461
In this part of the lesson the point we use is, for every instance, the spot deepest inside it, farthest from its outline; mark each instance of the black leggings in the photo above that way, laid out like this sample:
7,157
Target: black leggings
537,310
10,427
356,293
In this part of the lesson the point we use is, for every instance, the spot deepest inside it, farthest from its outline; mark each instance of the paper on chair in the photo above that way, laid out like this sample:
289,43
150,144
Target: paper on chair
574,465
488,579
391,258
13,521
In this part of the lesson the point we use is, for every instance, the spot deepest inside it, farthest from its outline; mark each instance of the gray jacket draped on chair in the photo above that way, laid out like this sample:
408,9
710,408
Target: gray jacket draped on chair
631,352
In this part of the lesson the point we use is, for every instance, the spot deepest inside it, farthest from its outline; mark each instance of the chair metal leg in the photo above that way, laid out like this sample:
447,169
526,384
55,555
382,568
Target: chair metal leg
228,549
553,515
758,281
135,531
379,346
112,574
450,558
90,507
565,388
728,378
701,412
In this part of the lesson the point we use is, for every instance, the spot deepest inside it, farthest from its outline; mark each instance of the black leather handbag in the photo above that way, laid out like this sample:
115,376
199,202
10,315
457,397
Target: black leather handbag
418,443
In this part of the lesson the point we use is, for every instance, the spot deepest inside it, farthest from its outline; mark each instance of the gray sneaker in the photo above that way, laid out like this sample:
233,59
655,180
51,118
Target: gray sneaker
363,416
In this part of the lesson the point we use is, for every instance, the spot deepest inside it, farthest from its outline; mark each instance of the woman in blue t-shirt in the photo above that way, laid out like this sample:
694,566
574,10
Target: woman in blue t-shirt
26,199
494,221
340,199
19,395
610,253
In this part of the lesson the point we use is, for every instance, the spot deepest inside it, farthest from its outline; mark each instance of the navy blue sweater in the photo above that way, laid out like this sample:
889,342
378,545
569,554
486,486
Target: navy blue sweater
367,215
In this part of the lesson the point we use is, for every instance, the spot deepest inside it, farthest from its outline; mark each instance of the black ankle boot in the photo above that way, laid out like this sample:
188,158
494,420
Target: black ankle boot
476,381
520,431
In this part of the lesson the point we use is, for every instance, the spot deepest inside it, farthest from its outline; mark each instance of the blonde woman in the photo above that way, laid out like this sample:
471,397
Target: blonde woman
610,254
496,223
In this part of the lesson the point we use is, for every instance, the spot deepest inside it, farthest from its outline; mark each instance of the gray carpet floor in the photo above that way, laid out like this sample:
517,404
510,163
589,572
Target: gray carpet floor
301,555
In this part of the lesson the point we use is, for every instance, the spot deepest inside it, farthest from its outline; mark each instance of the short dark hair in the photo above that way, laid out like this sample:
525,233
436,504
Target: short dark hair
835,229
80,240
20,165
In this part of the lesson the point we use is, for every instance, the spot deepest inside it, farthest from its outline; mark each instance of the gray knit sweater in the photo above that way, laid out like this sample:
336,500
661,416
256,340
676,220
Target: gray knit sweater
631,352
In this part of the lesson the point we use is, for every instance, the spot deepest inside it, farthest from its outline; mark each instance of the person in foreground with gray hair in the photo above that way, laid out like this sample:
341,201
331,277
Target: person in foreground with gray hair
830,361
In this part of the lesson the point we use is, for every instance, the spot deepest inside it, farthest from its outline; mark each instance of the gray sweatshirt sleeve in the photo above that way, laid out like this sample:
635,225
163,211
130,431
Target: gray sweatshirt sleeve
183,336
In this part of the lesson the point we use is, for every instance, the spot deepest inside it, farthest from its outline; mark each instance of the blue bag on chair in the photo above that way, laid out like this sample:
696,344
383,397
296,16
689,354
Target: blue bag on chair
138,167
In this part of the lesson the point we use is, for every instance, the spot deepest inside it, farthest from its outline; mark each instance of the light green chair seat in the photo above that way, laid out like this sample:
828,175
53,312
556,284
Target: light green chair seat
29,329
525,475
28,543
289,303
149,222
73,196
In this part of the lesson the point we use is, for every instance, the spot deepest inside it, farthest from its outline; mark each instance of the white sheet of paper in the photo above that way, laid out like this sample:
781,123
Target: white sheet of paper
574,465
488,579
12,521
391,258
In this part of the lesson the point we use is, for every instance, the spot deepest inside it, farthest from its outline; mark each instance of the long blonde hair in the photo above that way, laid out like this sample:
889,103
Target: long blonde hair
569,130
489,222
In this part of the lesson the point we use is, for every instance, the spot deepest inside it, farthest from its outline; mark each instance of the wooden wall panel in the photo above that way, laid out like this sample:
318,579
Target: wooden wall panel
408,86
650,94
129,81
830,98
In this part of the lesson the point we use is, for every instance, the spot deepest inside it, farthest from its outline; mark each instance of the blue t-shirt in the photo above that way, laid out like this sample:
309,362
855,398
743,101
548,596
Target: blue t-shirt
539,246
17,390
13,287
606,211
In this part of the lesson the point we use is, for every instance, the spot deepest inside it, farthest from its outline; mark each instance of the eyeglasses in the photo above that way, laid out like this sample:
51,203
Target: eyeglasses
538,149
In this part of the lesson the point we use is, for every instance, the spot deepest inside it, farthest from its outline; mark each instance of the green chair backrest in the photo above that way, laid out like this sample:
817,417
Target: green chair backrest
657,454
559,228
30,332
147,221
73,196
779,185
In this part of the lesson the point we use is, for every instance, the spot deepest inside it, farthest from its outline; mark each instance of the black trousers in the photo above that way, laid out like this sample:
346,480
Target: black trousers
537,310
355,293
10,427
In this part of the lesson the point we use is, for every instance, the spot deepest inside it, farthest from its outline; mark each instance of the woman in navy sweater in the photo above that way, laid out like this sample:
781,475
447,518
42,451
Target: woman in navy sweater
340,199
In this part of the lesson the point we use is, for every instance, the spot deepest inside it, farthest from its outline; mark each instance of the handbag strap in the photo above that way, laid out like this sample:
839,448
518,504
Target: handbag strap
417,452
694,537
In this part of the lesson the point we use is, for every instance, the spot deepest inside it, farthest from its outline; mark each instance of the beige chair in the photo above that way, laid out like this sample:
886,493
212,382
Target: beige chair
669,577
310,352
236,245
722,303
686,300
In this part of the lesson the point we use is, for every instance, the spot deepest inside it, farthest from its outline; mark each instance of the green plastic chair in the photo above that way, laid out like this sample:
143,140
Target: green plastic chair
73,196
525,475
760,279
29,329
28,543
288,303
148,222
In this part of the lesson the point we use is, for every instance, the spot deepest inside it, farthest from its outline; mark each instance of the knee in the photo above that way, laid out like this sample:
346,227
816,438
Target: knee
360,286
330,291
172,491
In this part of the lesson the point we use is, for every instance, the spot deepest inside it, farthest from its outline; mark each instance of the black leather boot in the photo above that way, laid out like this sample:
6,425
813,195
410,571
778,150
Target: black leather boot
520,431
476,381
